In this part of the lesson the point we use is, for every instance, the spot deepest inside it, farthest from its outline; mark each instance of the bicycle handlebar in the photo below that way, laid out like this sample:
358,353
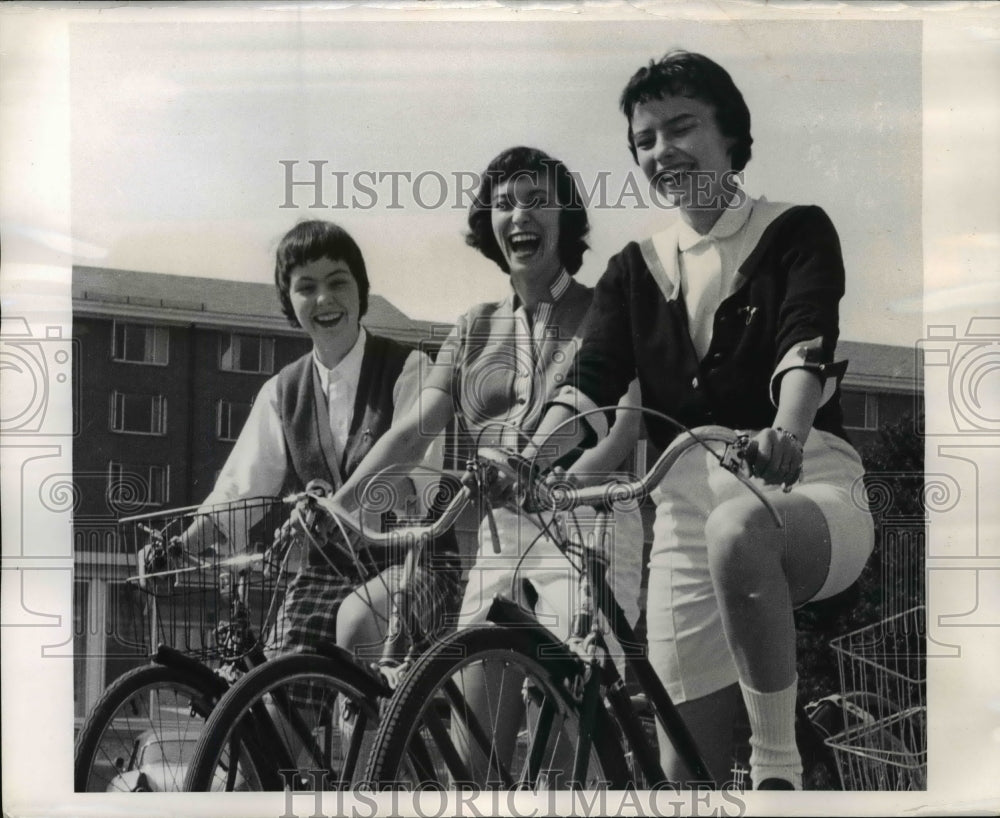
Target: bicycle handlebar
514,469
739,454
498,473
321,494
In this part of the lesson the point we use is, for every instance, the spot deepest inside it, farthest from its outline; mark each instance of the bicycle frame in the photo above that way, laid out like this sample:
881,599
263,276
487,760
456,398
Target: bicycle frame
586,644
506,612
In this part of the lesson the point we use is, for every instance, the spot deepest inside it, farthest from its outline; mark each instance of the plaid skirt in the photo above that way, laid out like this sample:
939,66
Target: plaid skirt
308,614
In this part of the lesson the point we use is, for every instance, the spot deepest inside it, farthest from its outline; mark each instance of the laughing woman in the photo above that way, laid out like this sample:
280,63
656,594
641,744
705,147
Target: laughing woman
502,363
729,316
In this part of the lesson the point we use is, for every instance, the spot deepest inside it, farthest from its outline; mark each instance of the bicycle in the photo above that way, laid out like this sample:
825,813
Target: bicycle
311,711
577,714
204,613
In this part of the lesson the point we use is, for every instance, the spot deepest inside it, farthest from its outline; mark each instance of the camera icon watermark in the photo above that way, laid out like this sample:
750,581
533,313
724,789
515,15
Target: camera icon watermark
38,367
966,368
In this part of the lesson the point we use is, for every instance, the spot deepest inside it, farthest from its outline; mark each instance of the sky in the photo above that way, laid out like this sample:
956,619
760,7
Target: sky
179,130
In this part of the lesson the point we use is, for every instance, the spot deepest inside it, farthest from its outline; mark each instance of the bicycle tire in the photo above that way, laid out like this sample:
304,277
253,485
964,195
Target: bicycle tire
136,707
413,725
244,734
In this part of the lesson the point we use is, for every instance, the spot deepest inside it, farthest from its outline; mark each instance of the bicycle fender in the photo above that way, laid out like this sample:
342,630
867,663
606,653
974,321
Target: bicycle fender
504,611
171,657
366,682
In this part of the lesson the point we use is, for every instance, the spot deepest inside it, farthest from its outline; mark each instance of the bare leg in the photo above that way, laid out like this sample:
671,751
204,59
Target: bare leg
710,720
364,617
760,573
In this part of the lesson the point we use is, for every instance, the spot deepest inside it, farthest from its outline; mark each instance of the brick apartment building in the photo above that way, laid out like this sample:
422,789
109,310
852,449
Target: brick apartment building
168,368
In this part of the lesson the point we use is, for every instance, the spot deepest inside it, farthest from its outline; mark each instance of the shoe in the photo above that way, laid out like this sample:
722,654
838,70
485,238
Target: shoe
775,784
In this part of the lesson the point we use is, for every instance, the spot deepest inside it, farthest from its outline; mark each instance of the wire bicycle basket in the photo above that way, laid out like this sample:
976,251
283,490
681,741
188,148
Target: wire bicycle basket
881,738
211,603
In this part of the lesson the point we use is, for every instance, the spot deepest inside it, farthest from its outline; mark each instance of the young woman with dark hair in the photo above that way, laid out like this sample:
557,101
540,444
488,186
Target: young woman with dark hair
728,316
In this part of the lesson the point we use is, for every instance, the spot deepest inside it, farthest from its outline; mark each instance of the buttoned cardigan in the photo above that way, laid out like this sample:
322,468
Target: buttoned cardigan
783,314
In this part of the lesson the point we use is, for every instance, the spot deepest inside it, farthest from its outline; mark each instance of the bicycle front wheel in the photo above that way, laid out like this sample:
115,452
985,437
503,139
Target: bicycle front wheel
139,735
487,708
293,722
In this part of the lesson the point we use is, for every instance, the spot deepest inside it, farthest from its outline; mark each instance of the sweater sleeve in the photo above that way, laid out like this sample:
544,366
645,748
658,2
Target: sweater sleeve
808,320
605,364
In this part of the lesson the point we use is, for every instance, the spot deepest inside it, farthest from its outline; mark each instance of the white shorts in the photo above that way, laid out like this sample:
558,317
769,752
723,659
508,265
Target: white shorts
552,576
687,645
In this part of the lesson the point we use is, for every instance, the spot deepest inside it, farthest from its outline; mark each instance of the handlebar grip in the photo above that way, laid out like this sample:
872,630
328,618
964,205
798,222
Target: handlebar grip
319,488
494,533
750,454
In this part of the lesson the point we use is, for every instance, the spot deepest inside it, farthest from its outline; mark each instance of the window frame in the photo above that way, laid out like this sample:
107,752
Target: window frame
871,411
229,404
266,367
158,331
117,468
115,412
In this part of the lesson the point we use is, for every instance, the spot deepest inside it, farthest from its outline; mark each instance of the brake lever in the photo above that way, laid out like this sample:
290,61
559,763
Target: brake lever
494,532
486,475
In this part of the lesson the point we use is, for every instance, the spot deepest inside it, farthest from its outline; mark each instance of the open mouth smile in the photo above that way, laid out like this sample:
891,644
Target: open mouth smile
523,246
328,319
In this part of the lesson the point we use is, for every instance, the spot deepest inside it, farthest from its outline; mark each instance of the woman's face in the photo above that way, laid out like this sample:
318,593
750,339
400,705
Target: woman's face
525,215
681,151
326,302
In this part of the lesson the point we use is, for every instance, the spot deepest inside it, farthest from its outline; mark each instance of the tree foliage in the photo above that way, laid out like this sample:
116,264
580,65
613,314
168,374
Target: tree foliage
893,579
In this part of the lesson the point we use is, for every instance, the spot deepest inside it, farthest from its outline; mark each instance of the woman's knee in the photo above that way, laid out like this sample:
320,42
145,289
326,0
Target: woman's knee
741,544
356,622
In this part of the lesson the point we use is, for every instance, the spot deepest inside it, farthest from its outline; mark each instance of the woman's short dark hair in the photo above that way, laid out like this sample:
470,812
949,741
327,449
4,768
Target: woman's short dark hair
573,223
308,242
683,73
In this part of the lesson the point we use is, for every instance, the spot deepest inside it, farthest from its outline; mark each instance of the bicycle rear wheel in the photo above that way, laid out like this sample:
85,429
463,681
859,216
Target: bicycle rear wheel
487,708
295,721
140,733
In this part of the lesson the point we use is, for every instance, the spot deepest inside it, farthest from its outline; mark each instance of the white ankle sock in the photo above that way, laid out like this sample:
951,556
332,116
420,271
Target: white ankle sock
773,752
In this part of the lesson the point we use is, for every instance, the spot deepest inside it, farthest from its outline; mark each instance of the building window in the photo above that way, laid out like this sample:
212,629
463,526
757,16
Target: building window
246,353
149,484
860,410
138,414
140,344
231,417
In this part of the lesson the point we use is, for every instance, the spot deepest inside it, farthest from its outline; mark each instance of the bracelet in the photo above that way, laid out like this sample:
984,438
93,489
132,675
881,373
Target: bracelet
787,487
792,435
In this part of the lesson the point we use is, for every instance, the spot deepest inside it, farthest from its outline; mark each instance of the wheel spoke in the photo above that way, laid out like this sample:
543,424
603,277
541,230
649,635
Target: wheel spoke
142,732
539,741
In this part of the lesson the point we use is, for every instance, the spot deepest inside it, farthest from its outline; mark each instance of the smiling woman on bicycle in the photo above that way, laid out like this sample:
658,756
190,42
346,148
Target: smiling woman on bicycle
499,366
317,419
729,316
